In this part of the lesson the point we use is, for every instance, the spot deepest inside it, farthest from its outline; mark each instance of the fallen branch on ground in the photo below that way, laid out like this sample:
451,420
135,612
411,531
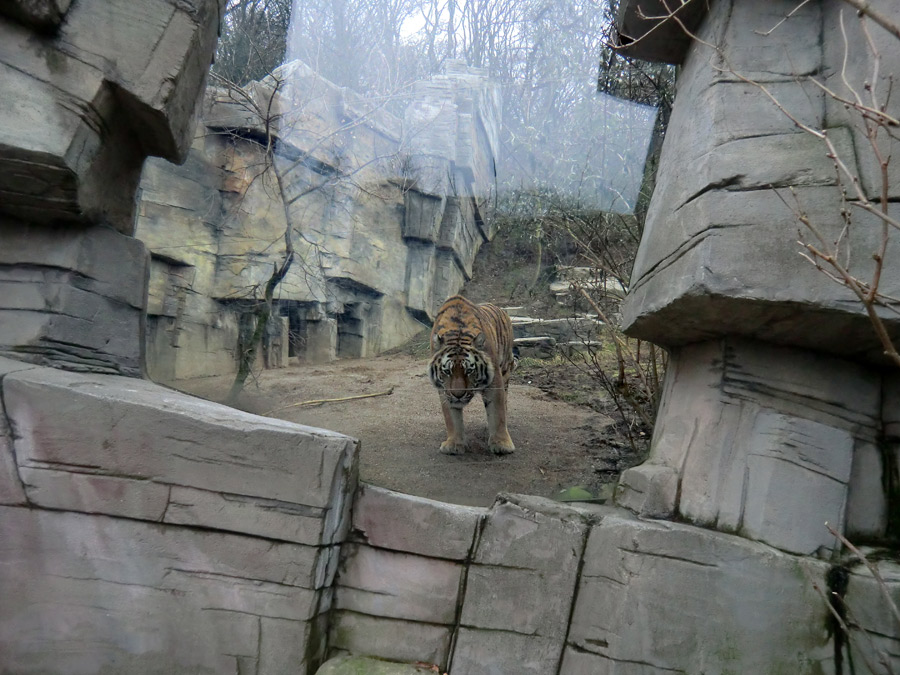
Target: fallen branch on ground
320,401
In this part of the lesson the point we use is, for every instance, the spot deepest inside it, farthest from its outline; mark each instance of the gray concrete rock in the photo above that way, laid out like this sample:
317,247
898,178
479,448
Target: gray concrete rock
11,489
536,347
421,263
786,453
449,278
423,214
360,665
377,251
867,503
757,439
875,632
391,639
270,518
670,42
290,646
650,490
531,533
100,260
561,330
54,285
890,406
657,597
398,585
124,82
399,522
792,50
700,286
146,598
525,601
230,470
779,160
564,290
520,586
729,150
845,41
486,652
95,493
8,366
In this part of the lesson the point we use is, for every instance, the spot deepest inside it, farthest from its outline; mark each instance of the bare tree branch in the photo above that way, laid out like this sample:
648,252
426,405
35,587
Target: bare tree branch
886,22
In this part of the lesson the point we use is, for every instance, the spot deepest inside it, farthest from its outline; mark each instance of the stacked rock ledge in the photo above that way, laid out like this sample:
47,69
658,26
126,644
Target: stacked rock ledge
225,523
561,589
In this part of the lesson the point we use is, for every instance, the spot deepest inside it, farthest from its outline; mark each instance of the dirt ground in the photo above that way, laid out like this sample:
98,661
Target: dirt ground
567,431
558,445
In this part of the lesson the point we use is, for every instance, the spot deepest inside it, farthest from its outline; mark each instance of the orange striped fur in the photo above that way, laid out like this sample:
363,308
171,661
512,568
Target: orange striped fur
472,351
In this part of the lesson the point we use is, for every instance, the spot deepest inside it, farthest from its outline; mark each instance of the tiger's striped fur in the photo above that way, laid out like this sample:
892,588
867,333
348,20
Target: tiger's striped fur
472,351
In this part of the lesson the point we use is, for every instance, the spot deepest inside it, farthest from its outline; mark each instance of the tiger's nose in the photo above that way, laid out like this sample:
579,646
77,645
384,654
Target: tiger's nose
457,388
460,394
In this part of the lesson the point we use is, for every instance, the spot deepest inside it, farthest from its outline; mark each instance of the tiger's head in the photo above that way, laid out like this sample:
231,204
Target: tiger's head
460,368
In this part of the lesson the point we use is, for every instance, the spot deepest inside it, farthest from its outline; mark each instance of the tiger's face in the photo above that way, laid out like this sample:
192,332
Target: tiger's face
459,371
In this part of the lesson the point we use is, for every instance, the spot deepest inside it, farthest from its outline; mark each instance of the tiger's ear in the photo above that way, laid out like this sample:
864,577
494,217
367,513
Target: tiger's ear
478,342
436,341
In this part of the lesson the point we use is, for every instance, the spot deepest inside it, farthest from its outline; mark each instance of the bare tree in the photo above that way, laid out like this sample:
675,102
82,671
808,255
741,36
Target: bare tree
560,137
267,120
353,44
542,53
868,103
253,39
306,156
567,224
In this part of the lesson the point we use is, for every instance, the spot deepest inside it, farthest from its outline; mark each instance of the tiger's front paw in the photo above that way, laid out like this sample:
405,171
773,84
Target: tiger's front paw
502,447
449,447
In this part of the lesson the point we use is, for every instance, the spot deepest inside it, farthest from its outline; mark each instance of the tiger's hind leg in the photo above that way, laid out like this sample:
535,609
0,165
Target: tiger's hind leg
456,433
499,441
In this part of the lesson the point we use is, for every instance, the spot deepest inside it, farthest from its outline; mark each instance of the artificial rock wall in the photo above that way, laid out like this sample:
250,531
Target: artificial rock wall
386,212
141,530
778,408
144,531
532,586
80,114
719,255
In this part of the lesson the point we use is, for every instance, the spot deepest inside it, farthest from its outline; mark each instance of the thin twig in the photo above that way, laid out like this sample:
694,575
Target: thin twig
872,568
843,624
320,401
865,7
622,346
785,18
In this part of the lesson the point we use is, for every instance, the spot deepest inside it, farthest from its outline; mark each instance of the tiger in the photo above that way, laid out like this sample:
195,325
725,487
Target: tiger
472,351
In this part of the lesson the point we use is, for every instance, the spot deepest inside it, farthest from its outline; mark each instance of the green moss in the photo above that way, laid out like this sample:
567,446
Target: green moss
728,654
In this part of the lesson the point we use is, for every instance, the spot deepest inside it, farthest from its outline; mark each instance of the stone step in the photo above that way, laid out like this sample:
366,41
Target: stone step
562,330
609,287
579,346
542,347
